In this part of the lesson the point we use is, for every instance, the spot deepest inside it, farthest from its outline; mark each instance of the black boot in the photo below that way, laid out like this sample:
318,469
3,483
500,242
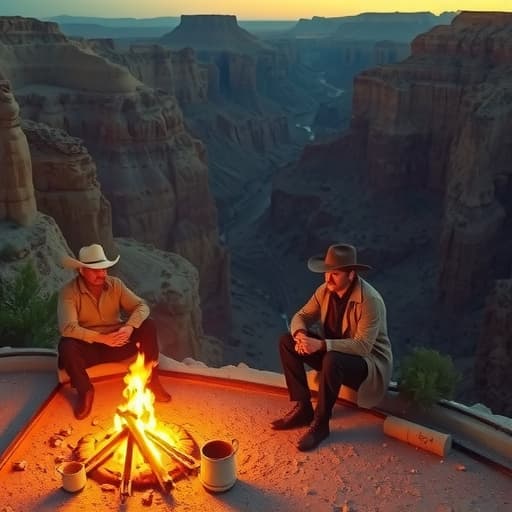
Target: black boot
314,436
300,416
157,389
84,404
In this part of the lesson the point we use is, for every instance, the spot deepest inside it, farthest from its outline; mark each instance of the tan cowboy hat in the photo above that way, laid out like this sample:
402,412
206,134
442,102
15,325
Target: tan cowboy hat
91,256
338,257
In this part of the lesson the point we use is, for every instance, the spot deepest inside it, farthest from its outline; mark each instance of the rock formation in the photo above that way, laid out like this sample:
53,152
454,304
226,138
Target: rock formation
170,284
439,120
175,72
151,170
237,120
422,185
212,32
371,26
343,59
240,66
17,201
41,244
66,185
190,77
494,351
67,189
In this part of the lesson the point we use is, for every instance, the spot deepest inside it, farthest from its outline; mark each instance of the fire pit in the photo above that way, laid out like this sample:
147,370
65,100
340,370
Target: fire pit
139,451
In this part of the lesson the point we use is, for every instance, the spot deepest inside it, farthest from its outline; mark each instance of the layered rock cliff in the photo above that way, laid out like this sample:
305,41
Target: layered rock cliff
439,120
343,59
151,170
66,187
241,67
175,72
494,351
212,32
371,26
421,185
17,201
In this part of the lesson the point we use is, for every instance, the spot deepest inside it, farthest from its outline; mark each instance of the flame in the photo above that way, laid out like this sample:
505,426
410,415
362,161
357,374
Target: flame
139,398
139,402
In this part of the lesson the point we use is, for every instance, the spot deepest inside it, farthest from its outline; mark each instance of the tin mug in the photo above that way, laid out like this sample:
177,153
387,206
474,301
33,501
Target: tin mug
73,475
218,464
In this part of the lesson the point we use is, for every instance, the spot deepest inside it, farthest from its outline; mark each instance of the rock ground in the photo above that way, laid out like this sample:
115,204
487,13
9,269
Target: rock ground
356,469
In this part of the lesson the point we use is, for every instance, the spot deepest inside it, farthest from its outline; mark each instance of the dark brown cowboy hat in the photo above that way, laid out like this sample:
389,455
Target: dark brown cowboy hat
338,257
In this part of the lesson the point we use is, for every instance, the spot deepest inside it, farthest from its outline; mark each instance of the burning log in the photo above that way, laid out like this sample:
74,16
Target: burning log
126,480
105,452
182,458
165,481
135,421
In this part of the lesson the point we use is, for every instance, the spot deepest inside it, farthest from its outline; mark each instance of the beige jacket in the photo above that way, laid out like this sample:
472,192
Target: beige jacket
364,331
82,317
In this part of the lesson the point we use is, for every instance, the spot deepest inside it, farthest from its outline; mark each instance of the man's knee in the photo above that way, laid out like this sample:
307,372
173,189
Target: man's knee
286,340
67,349
147,329
331,362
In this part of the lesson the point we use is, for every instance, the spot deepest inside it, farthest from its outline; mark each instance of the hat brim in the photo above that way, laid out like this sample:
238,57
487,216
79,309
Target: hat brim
73,263
317,264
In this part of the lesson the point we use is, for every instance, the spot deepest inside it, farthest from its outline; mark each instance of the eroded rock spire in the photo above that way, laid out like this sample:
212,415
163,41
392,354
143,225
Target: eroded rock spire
17,200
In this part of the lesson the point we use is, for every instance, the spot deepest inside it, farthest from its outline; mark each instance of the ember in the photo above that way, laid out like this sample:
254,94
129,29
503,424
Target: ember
139,450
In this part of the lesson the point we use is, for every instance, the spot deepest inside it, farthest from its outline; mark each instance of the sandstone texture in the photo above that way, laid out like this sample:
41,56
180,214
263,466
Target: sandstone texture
494,350
212,32
41,244
441,120
17,201
420,184
151,170
67,188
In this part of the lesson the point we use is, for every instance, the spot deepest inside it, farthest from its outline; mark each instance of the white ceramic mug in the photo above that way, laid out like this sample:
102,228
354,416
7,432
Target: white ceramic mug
73,475
218,464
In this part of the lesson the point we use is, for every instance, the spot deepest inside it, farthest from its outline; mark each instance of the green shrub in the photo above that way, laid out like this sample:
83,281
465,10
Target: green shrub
28,317
426,376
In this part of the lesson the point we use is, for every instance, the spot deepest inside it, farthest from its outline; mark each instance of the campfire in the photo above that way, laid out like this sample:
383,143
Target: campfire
139,450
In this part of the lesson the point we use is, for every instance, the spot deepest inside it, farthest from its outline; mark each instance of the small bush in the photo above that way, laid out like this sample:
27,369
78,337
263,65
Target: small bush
28,317
426,376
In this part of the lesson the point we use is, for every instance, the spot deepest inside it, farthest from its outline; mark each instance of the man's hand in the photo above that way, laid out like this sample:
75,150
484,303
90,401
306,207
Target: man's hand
126,331
117,338
305,345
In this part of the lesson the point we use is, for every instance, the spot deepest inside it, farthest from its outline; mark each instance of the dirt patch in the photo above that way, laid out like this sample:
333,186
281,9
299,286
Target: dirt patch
356,466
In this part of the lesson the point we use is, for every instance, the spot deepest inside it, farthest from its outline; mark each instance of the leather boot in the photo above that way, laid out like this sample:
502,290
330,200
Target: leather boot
157,389
300,416
314,436
84,404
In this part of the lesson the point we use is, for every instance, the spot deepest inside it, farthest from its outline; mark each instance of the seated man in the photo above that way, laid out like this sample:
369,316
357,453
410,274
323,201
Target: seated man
93,332
352,350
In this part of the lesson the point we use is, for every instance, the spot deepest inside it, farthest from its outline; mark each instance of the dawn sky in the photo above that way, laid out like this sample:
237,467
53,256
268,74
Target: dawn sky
248,9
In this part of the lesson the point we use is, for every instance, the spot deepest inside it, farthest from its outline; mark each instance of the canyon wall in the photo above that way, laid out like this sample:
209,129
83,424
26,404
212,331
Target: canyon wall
66,187
152,171
440,120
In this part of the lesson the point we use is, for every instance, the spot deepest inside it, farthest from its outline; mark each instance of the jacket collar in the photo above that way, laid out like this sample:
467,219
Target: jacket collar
357,291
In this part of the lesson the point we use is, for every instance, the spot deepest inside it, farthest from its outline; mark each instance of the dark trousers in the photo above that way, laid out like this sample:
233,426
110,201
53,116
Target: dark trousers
77,355
335,369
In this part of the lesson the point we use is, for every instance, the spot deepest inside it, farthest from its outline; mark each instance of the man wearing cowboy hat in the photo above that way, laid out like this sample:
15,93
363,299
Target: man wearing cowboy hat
353,348
89,313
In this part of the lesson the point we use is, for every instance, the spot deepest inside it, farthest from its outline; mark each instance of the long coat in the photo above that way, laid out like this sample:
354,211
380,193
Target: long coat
364,333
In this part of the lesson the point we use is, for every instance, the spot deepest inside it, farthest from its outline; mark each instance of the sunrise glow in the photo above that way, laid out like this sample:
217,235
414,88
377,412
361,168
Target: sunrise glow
261,9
